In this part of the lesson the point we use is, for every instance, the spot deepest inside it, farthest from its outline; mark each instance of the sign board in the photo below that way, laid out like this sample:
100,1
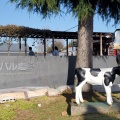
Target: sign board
21,71
75,44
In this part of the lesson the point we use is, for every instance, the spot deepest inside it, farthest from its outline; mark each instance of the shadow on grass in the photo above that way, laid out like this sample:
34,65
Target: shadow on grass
93,114
71,98
88,97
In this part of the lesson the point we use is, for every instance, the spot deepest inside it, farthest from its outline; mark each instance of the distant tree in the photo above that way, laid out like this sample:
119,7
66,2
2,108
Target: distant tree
9,41
58,44
71,43
10,38
38,45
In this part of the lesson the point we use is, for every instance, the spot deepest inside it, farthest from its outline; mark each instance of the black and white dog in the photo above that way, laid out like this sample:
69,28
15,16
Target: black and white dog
96,76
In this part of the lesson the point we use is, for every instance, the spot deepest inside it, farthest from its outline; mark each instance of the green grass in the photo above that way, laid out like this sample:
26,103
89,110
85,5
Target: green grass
52,108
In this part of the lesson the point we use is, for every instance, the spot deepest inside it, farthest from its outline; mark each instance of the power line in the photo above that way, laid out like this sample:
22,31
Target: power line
70,28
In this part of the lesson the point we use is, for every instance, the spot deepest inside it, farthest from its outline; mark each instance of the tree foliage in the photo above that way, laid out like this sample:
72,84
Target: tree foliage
80,8
20,31
43,7
109,9
58,44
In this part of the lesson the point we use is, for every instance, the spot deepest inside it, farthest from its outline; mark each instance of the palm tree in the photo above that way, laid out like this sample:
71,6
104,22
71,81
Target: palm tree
84,10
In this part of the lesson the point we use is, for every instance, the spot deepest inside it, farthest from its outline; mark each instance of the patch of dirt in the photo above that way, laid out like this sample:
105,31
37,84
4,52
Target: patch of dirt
23,114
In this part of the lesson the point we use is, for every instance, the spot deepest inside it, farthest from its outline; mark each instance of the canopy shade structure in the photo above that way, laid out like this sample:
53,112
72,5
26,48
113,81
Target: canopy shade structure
21,31
26,32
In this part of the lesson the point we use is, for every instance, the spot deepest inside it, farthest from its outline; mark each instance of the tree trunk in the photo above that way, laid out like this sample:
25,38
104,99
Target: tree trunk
85,46
85,43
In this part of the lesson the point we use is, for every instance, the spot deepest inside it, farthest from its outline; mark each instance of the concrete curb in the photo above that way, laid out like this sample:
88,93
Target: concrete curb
13,94
29,92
